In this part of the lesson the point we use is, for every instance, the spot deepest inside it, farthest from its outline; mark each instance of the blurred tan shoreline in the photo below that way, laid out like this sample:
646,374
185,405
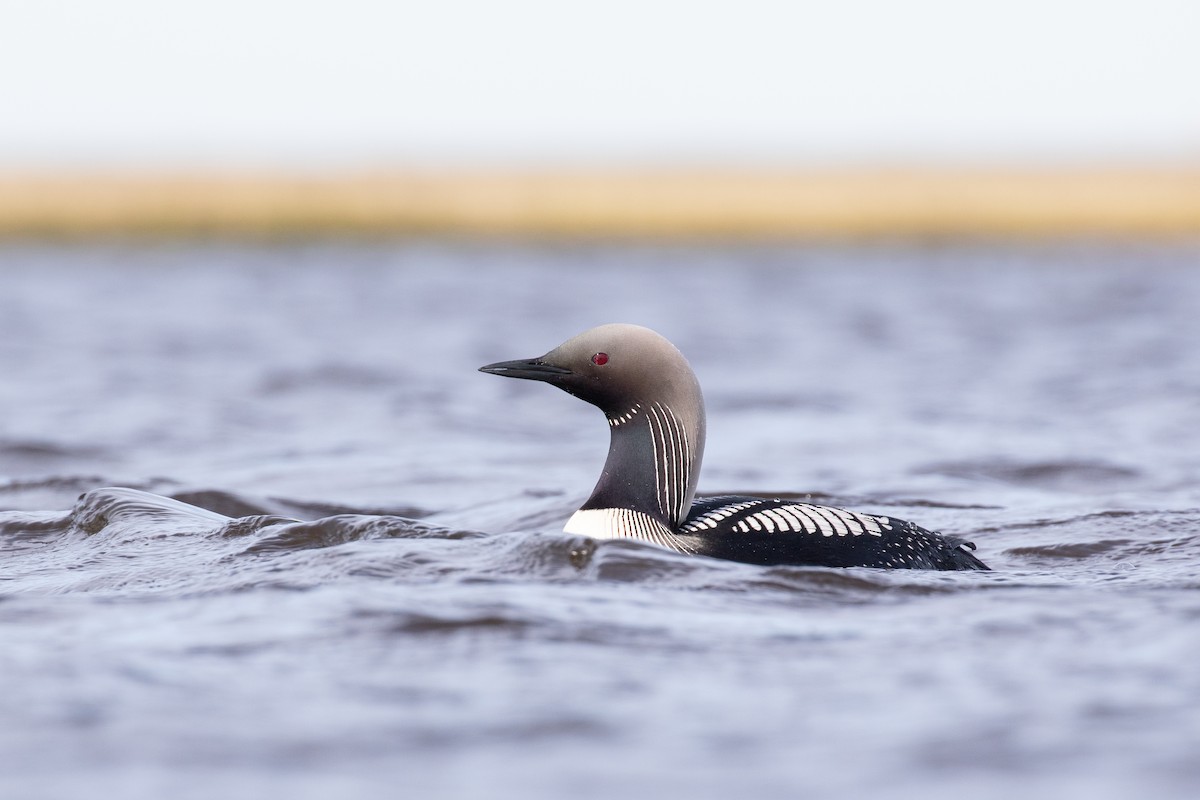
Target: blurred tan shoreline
622,203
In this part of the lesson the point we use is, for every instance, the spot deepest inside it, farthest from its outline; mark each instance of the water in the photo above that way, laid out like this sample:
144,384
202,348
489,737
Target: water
378,601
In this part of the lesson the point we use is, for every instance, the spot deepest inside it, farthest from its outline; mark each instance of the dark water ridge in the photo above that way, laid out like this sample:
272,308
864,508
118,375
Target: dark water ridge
264,531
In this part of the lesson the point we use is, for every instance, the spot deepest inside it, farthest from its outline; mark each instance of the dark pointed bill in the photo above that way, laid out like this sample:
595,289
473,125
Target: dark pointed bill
533,369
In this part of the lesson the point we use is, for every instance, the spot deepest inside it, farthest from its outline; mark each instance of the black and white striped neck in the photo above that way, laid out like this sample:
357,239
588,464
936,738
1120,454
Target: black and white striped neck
653,455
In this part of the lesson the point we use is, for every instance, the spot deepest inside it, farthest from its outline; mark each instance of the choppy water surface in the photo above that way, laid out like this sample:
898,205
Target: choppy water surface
360,588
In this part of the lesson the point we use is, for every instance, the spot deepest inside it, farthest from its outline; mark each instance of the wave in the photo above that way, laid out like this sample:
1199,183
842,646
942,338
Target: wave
125,539
131,540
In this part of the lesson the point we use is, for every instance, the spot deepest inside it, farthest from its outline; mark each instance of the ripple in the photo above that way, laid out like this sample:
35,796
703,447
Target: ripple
233,504
1072,549
332,531
44,449
332,375
1065,475
450,622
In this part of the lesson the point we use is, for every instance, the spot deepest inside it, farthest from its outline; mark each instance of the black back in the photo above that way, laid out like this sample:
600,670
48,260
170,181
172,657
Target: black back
757,530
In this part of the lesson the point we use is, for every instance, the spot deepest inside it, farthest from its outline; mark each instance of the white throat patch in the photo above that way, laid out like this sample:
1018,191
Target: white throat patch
623,523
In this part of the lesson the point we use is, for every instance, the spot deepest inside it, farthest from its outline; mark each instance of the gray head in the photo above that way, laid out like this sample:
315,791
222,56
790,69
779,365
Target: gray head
613,367
650,395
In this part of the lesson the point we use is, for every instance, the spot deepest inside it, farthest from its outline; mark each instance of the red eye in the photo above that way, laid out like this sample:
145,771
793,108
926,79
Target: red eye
600,359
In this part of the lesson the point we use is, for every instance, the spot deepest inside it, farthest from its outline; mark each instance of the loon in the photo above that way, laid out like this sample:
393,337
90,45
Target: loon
652,400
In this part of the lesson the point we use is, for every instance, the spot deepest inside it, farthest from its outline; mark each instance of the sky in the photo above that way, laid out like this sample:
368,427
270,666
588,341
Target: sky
366,83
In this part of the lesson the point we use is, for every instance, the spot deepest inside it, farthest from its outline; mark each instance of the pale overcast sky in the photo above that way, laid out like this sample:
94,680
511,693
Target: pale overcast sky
378,82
